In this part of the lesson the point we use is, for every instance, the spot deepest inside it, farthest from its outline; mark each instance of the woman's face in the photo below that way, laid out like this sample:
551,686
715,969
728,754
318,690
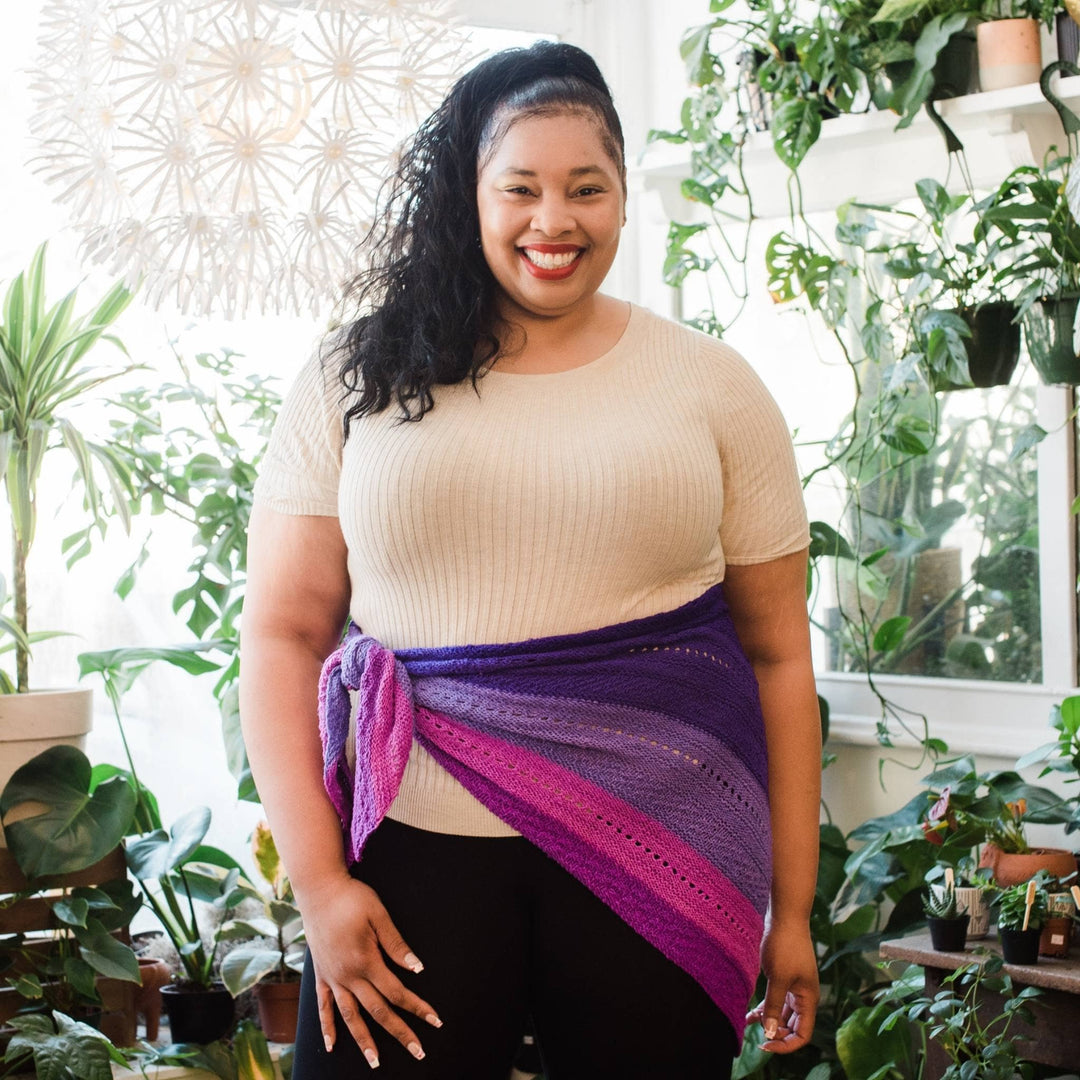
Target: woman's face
551,205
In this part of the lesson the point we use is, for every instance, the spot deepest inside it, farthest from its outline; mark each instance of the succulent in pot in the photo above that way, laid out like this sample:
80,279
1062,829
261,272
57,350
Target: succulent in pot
948,925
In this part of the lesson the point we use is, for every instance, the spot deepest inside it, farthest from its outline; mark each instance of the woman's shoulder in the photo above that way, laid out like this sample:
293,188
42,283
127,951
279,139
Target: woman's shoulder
697,353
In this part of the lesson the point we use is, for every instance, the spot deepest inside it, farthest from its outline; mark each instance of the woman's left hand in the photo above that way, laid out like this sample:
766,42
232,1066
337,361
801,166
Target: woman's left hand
789,963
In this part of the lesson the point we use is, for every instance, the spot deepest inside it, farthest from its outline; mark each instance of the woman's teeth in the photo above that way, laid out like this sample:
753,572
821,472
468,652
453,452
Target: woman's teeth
550,261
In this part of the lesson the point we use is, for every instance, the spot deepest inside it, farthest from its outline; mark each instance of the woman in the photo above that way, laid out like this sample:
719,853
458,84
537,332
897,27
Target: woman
529,815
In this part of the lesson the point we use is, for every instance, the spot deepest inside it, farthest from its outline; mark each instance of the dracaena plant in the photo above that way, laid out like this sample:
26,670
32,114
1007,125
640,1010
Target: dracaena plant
44,371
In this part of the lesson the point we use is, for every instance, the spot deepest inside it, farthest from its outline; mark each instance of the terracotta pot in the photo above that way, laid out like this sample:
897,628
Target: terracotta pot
1009,53
1055,937
279,1004
972,902
155,974
31,723
1010,869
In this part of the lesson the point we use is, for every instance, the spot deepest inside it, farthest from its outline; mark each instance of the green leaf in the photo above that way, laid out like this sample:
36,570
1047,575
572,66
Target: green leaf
75,829
899,10
253,1060
72,912
825,541
934,198
70,1050
81,976
107,955
186,657
864,1049
694,49
244,966
891,633
153,856
795,127
1028,438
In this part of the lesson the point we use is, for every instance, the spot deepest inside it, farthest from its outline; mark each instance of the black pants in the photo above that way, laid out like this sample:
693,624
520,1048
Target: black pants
504,934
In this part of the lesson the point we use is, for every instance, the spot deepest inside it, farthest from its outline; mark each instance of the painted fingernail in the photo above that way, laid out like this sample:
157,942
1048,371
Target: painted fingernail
414,1049
372,1058
770,1029
329,1044
412,961
433,1020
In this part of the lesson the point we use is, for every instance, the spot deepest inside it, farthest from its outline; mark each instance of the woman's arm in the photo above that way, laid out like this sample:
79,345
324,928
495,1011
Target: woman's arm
295,607
768,606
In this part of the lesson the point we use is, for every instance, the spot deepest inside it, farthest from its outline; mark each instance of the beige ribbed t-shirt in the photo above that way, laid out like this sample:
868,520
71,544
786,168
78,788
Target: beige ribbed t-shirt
545,504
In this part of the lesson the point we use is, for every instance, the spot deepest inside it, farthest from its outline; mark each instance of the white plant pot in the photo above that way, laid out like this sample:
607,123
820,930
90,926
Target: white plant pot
31,723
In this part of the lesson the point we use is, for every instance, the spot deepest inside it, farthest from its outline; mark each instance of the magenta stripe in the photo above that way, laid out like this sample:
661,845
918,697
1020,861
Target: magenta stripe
687,883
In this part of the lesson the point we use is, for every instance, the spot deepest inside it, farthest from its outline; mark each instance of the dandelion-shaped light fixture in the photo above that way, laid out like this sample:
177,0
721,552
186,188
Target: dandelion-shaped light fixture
229,152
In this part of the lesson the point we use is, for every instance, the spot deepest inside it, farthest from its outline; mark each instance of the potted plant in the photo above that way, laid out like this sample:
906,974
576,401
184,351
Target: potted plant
989,810
948,926
1057,931
1022,911
273,964
1009,856
973,887
1031,207
1007,35
964,326
43,371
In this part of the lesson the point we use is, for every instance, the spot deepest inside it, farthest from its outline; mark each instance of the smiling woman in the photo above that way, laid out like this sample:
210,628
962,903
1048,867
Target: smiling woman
549,231
559,751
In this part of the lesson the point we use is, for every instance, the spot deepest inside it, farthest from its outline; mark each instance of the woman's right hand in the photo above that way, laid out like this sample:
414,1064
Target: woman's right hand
348,930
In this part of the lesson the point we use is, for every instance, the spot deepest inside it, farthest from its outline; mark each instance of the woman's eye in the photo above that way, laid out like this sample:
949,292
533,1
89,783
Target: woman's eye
517,191
590,191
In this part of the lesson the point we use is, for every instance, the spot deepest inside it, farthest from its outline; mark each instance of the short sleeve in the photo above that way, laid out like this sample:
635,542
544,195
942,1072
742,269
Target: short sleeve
764,515
300,470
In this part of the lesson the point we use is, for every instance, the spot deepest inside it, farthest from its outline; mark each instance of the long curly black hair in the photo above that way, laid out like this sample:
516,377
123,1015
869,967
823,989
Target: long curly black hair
427,296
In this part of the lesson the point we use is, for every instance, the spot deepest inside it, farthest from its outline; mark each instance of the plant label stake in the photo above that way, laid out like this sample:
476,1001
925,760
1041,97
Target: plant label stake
1028,902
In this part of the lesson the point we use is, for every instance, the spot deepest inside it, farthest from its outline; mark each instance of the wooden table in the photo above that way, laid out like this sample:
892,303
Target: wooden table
1053,1039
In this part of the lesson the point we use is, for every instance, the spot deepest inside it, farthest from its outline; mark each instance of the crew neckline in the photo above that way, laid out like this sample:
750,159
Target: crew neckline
604,360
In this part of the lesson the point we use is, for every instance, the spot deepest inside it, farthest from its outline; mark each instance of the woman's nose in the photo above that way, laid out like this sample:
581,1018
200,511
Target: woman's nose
553,216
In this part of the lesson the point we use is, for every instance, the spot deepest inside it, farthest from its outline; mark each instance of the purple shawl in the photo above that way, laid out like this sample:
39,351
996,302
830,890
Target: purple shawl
633,755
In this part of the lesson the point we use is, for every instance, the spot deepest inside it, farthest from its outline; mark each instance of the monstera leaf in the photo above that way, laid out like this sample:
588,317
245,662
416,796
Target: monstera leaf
71,824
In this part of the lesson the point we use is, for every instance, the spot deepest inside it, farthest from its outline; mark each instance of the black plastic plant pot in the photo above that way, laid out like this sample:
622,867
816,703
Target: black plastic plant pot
948,935
956,72
994,346
1048,329
1020,946
993,350
197,1015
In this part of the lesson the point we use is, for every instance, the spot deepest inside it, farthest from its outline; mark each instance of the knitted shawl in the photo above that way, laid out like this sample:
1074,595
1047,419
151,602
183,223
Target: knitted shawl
633,755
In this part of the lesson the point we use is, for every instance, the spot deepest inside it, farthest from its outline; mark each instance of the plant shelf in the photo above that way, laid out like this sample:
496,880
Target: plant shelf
862,155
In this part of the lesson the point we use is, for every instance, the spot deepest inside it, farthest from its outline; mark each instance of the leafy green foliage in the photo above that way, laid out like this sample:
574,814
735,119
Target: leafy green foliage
202,468
977,1042
42,373
75,825
61,1048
